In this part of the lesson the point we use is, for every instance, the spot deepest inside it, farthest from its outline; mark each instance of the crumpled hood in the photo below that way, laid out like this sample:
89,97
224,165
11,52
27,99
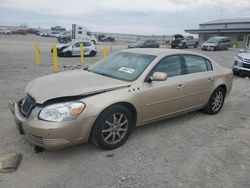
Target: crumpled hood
209,44
71,83
244,55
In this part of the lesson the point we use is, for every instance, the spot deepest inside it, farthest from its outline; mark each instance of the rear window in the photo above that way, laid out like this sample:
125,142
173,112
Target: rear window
195,64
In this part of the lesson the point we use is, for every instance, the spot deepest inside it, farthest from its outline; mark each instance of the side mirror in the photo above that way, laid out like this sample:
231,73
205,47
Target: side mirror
241,51
157,76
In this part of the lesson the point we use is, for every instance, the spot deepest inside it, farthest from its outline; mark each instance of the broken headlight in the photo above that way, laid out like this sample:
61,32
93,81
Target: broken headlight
62,111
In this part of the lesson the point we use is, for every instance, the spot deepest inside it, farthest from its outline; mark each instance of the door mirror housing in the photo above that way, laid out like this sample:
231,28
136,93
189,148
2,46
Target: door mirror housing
159,76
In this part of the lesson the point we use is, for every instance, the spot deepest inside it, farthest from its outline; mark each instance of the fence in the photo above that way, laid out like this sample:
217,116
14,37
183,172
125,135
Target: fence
133,38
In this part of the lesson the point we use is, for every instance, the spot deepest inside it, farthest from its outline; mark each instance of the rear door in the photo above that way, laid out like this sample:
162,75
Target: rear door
198,80
87,48
76,49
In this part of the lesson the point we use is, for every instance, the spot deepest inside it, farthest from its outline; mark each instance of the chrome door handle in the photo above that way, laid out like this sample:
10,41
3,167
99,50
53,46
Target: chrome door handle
180,86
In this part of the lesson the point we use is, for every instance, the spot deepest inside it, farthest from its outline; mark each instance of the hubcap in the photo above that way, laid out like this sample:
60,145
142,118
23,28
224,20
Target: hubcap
115,128
217,101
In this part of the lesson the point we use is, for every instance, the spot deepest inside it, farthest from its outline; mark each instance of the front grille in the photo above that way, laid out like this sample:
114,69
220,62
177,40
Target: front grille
26,105
245,65
47,141
247,61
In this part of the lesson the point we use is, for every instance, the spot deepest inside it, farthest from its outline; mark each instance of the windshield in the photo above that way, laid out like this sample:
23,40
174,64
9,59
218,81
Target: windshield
247,50
213,40
139,41
123,65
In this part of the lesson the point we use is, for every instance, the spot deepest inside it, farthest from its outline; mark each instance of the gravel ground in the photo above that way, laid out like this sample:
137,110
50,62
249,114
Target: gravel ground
193,150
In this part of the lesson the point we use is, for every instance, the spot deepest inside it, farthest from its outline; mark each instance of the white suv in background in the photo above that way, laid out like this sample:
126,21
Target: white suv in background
241,65
73,49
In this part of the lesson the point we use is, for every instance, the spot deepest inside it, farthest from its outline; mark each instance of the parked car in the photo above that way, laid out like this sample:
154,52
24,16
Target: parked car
64,37
99,37
33,31
5,31
73,49
129,88
107,39
217,43
179,41
144,44
19,32
44,34
55,33
241,65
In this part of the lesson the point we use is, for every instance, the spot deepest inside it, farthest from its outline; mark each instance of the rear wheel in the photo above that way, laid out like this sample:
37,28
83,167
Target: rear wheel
112,127
93,41
215,102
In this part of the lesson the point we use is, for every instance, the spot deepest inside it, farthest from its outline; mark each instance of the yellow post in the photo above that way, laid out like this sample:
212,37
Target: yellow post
55,59
37,54
105,52
82,53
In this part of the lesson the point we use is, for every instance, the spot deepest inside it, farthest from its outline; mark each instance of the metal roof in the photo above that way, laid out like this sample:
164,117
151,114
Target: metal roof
228,21
228,30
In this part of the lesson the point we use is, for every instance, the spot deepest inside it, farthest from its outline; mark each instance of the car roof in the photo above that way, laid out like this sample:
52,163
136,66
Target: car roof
220,37
160,51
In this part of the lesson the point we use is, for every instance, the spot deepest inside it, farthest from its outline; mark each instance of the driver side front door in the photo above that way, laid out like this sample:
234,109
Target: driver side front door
164,98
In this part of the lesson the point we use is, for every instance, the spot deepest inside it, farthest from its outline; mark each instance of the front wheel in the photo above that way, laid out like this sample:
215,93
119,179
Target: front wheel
112,127
215,102
196,45
92,53
68,54
183,46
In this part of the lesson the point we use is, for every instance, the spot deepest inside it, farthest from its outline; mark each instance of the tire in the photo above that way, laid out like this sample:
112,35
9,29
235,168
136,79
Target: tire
183,46
196,45
68,54
93,42
235,73
113,121
92,54
214,107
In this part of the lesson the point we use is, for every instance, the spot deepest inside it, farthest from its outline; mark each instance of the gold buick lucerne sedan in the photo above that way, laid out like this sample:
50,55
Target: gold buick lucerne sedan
103,103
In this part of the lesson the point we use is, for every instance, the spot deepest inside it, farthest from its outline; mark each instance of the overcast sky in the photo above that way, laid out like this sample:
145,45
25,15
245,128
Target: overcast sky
121,16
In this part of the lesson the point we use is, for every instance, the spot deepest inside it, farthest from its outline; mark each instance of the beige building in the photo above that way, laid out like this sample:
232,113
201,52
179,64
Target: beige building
237,29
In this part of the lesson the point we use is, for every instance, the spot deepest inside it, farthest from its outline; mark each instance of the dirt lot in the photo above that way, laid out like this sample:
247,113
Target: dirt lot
194,150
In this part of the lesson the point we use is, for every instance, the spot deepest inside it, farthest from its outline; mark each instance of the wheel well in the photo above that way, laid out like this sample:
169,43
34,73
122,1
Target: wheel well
224,87
127,105
131,108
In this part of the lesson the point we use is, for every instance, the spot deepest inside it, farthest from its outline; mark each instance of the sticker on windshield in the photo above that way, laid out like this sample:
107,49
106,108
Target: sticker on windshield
127,70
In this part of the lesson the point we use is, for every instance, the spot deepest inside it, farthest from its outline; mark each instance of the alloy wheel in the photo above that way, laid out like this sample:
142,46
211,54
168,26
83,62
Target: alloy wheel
115,128
217,101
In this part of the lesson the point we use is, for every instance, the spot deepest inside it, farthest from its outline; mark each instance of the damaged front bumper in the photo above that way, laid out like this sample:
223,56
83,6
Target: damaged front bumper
51,135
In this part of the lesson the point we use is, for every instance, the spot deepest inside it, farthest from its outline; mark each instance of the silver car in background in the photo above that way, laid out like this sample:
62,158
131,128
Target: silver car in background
241,65
217,43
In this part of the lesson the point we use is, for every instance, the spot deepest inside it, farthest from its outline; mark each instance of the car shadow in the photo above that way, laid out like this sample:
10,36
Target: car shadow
91,149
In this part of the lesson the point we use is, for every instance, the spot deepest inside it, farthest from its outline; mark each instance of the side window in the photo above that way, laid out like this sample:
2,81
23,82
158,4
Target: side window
77,44
170,65
86,44
195,64
209,65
